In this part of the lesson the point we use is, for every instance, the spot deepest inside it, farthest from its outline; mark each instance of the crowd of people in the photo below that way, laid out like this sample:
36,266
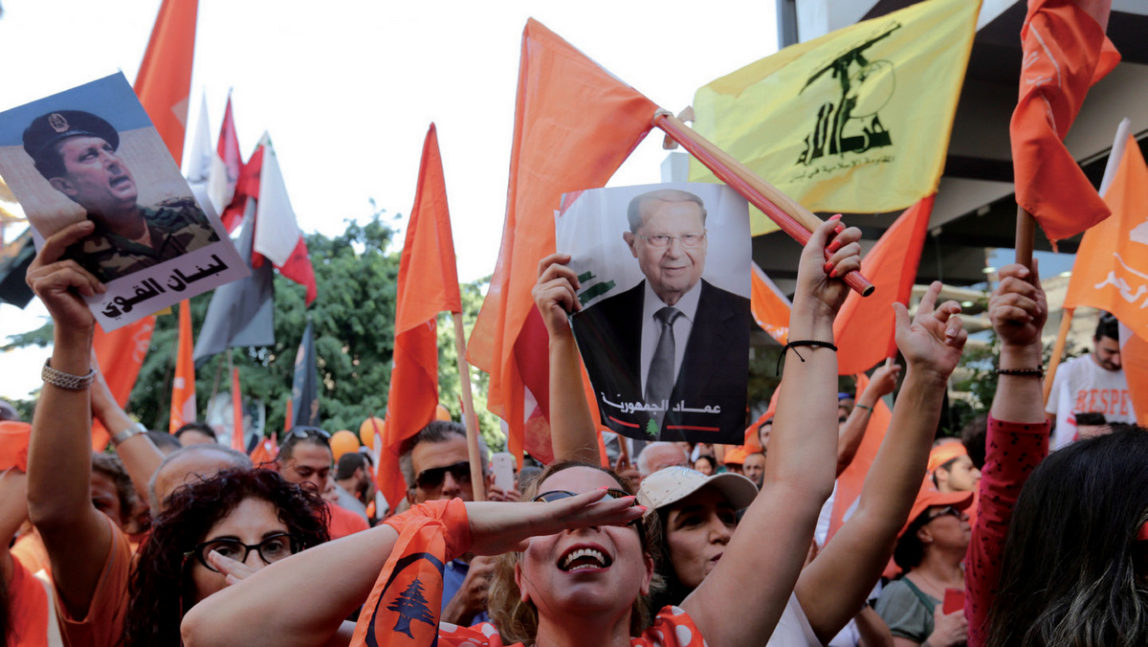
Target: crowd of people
986,540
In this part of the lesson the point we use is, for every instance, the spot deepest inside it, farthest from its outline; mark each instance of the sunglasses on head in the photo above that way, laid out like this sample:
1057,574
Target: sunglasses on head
557,495
301,432
431,479
272,549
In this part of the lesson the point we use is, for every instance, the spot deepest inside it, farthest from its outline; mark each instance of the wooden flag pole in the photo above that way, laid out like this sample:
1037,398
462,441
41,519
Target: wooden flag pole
1025,236
477,483
791,217
1058,350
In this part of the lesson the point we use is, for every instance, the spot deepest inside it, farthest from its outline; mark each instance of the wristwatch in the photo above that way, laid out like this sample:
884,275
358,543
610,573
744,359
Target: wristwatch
134,429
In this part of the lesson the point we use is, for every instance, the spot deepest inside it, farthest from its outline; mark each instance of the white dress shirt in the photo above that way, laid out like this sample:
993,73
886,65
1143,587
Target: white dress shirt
652,328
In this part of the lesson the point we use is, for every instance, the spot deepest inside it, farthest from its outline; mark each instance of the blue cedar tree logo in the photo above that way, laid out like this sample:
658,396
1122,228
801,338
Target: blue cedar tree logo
411,605
852,125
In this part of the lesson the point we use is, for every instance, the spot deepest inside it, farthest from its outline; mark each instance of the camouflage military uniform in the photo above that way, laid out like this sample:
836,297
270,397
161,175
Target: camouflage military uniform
176,226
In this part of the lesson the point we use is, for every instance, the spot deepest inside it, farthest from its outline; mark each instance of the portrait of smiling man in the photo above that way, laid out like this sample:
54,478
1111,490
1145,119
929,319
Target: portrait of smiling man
668,357
77,152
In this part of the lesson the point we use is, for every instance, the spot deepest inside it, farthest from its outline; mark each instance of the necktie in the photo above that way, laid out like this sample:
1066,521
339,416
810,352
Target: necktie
660,380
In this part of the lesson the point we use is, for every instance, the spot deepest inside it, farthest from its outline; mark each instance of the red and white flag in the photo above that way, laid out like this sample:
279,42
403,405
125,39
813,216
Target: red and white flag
277,233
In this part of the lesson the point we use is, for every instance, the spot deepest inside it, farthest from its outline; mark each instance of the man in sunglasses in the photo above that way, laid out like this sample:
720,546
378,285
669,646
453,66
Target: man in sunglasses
435,464
305,459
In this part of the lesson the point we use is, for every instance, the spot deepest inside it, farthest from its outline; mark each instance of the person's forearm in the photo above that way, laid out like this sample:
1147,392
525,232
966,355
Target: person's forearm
873,630
1018,397
573,433
248,612
852,434
837,582
59,451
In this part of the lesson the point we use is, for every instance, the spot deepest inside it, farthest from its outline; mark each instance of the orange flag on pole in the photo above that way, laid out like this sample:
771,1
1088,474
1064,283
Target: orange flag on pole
864,328
1065,53
183,386
428,284
237,427
850,482
574,125
163,86
770,307
1111,269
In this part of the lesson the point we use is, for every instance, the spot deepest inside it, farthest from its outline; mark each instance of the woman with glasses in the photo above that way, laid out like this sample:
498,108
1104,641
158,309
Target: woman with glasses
214,533
930,551
578,571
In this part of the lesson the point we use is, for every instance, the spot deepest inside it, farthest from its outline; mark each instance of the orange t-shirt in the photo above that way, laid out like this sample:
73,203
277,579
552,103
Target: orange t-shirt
343,522
28,605
104,624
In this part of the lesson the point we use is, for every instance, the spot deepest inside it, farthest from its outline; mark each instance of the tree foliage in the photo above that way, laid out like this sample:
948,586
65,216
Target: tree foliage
356,274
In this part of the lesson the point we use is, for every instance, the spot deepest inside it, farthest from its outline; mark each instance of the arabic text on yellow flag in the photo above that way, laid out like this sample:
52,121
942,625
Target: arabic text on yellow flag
855,121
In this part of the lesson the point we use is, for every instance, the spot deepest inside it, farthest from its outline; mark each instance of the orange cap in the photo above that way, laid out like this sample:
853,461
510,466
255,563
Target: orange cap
928,498
735,456
944,453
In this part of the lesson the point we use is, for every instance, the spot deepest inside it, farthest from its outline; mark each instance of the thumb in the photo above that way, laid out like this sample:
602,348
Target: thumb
900,317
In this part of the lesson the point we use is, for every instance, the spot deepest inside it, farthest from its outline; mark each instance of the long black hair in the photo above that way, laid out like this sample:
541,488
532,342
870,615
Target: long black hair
1069,573
161,586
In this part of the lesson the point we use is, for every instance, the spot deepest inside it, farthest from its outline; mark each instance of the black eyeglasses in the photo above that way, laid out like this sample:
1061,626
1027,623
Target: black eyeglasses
945,511
557,495
303,431
272,549
431,479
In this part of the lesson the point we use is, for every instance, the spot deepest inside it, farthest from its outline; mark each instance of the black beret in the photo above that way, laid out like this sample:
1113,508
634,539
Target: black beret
47,130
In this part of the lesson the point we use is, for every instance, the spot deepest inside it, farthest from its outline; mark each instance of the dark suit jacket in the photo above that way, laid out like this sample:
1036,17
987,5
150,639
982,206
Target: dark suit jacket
713,370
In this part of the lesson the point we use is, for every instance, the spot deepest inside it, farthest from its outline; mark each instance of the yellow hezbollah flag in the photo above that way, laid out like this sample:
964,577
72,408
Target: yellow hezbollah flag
855,121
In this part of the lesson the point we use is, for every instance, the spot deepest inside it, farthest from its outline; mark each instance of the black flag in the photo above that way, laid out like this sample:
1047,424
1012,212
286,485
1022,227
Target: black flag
305,387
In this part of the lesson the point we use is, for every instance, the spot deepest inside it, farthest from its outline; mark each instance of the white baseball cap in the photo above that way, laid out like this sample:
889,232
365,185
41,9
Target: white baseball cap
672,484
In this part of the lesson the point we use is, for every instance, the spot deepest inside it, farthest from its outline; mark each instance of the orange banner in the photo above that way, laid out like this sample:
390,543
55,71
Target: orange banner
183,386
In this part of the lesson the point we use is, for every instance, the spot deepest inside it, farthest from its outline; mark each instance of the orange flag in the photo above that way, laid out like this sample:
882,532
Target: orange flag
1065,53
850,481
864,328
428,284
1111,269
575,124
163,87
237,427
769,305
183,386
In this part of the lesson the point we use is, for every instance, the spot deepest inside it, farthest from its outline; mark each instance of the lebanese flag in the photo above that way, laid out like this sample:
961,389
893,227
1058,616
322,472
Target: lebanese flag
1065,53
427,285
163,86
183,386
247,187
864,328
574,125
769,305
277,234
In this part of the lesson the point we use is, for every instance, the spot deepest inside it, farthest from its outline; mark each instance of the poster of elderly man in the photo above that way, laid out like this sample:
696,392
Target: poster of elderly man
91,153
664,325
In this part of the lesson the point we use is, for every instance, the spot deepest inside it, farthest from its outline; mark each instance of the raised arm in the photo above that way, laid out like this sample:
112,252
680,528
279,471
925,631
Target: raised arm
76,535
1017,436
138,453
835,585
754,578
572,430
883,382
249,611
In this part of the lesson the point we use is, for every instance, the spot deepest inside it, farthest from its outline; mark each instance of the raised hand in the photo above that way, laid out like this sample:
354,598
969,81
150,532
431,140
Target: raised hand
235,570
819,280
500,527
934,339
1018,308
60,284
556,293
883,382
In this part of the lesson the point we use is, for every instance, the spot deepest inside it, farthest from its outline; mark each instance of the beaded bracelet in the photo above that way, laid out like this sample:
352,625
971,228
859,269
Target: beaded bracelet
1022,372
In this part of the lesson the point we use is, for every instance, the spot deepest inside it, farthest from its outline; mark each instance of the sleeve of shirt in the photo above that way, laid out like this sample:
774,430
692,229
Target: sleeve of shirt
1012,452
672,627
105,620
903,611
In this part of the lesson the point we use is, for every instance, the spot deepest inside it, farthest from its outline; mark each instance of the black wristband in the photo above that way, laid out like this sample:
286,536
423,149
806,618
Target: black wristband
813,343
1022,372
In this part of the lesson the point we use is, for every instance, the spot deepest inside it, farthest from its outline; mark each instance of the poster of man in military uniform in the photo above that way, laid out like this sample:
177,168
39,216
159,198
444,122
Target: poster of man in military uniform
91,153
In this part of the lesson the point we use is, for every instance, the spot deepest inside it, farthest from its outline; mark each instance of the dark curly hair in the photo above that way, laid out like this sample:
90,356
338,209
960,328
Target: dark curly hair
1073,572
161,587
